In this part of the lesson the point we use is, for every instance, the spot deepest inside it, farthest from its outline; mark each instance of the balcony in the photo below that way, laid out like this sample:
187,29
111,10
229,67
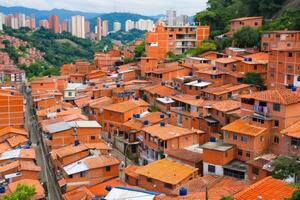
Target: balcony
261,109
149,158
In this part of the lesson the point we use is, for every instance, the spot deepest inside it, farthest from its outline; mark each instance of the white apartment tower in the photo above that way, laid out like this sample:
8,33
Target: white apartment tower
129,24
104,28
78,26
171,18
117,26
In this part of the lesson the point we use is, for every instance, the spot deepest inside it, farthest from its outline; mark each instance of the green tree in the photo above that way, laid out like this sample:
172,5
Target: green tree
254,78
284,167
295,195
22,192
246,37
140,50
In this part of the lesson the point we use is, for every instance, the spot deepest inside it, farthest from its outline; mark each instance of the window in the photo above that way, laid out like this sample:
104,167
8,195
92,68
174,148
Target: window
290,54
93,137
168,185
255,170
69,94
244,138
288,77
107,168
150,180
276,123
248,101
71,176
290,68
227,135
248,155
41,84
276,106
295,142
190,87
255,67
255,24
240,152
83,174
211,168
110,113
276,139
235,137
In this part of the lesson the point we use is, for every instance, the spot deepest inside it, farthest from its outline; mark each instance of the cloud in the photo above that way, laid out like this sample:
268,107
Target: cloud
147,7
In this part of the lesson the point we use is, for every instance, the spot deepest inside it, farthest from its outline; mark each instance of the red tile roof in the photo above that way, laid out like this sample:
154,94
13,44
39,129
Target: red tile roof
267,188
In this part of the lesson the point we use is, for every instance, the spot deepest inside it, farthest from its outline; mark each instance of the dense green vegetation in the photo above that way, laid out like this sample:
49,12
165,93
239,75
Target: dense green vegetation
220,12
246,37
126,37
22,192
285,167
59,48
254,78
140,50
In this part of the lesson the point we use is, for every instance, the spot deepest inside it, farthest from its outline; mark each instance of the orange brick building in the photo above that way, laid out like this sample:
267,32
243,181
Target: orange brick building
11,109
236,24
177,40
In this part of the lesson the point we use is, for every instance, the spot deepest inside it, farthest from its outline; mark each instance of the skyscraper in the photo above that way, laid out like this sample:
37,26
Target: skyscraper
117,26
78,26
21,20
44,23
54,23
2,21
87,27
129,24
171,18
183,20
99,29
145,25
32,23
104,28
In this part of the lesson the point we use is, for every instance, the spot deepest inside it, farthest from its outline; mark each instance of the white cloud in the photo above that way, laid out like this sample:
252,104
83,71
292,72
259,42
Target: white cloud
147,7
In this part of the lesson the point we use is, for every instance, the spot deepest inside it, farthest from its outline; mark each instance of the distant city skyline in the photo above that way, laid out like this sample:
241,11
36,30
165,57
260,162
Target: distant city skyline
190,7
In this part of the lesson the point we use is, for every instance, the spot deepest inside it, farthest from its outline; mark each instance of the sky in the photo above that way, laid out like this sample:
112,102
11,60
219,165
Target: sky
146,7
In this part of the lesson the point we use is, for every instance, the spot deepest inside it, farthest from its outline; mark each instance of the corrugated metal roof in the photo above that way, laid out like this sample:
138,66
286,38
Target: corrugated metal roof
57,127
128,193
84,124
10,154
76,167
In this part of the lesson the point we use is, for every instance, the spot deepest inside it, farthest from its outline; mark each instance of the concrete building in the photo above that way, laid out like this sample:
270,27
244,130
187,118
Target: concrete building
87,27
129,24
99,29
171,19
2,21
78,26
44,23
104,28
183,20
21,20
54,23
144,25
117,26
32,23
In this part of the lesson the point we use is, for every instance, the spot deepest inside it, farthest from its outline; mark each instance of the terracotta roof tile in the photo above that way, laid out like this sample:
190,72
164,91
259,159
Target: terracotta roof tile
10,166
130,171
79,193
293,130
166,132
101,161
17,131
4,147
243,127
17,140
161,90
281,96
226,105
225,89
29,166
226,60
166,171
100,189
267,188
126,105
246,18
185,155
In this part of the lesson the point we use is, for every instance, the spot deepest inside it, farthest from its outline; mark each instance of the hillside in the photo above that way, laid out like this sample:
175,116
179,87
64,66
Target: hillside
127,37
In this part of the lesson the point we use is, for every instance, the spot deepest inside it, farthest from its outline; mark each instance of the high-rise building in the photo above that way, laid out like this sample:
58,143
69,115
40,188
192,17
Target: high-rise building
2,21
99,29
14,23
9,20
183,20
21,20
144,25
44,23
171,18
105,28
117,26
78,26
32,23
87,27
129,24
64,26
54,23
